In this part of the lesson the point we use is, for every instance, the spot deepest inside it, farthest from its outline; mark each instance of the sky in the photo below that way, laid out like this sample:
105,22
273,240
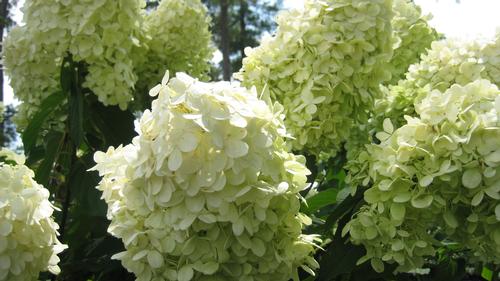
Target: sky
466,19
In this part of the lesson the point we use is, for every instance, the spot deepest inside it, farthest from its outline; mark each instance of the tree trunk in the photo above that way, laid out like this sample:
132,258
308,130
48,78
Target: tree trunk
224,39
243,14
4,14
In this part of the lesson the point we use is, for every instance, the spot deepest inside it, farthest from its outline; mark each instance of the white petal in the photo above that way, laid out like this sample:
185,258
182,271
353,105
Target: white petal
188,142
155,259
175,160
236,148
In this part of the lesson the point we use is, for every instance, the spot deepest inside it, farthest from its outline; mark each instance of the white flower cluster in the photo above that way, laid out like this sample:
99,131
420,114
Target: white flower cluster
448,62
413,37
101,33
490,56
436,176
178,38
207,190
28,234
110,37
324,65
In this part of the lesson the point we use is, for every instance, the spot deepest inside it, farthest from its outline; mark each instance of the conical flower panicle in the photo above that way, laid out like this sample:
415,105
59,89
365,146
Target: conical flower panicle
207,190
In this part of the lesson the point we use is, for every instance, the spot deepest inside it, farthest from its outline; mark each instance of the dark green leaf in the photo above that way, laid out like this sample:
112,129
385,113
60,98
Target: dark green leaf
66,75
31,133
320,200
449,270
341,256
54,143
76,117
117,126
346,206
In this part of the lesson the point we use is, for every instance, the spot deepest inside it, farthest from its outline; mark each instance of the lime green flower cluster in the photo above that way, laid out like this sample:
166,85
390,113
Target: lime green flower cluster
490,55
28,234
324,64
436,176
207,190
448,62
413,37
111,37
101,33
178,38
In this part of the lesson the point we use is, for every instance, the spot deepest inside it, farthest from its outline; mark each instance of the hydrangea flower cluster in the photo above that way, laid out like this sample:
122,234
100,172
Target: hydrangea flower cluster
101,33
438,175
207,190
168,45
413,37
490,55
324,65
111,37
28,234
448,62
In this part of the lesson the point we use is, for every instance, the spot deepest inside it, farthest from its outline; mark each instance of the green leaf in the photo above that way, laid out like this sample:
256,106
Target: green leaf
487,274
449,269
114,125
76,117
320,200
340,258
32,131
54,143
66,74
341,209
